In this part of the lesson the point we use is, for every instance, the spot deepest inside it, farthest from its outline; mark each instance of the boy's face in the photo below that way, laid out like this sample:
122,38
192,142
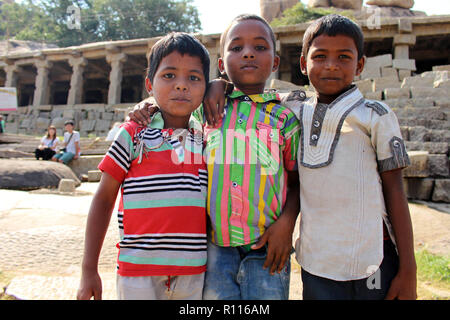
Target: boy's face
178,86
248,57
68,127
331,65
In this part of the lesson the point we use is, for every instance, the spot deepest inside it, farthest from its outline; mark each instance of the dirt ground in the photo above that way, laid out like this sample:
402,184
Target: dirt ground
42,237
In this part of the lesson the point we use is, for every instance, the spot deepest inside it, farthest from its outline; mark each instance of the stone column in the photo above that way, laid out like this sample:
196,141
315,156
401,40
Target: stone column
42,90
402,42
116,61
76,81
213,64
11,75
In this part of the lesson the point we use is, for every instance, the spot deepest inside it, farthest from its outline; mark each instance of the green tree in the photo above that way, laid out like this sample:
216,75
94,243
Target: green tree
300,14
67,31
131,19
95,20
26,21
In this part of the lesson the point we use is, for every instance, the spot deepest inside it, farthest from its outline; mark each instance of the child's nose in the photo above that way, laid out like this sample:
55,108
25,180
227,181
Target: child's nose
332,64
181,86
248,53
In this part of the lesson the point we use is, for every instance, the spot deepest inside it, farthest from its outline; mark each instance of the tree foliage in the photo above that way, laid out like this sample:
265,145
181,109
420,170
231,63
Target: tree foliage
299,13
99,20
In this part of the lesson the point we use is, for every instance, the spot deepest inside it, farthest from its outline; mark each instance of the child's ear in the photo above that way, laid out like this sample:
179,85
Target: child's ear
360,66
221,66
303,65
148,85
276,63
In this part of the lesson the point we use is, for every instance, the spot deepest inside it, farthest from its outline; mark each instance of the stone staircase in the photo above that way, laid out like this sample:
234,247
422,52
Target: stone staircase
422,105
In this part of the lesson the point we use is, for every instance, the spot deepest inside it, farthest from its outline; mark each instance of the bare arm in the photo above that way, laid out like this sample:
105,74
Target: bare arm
97,224
279,234
403,286
77,149
214,101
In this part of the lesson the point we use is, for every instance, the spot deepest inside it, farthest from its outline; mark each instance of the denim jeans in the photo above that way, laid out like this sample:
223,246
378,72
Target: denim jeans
234,274
65,157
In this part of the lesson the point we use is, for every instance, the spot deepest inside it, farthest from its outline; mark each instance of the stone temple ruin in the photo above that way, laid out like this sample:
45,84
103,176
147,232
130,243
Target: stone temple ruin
408,68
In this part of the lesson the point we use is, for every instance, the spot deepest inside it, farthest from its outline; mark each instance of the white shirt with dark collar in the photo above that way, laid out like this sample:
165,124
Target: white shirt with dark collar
343,148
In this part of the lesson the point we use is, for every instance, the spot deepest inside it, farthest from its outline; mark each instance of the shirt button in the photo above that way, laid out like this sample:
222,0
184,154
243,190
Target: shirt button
316,123
234,184
396,144
314,137
240,121
246,98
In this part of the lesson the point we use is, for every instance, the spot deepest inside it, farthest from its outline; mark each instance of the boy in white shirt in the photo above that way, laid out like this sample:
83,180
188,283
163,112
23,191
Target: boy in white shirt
356,239
72,144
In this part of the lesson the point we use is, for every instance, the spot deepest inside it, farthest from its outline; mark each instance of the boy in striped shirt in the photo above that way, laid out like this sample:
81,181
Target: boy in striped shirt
162,177
253,187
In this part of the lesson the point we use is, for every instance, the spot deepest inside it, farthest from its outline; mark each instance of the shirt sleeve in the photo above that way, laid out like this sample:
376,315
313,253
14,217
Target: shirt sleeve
291,135
118,159
387,139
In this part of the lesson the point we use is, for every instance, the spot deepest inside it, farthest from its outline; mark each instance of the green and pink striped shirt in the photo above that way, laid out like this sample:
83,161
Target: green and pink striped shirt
248,155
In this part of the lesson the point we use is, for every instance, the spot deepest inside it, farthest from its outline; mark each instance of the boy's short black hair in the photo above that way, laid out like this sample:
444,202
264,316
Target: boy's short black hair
244,17
333,25
184,44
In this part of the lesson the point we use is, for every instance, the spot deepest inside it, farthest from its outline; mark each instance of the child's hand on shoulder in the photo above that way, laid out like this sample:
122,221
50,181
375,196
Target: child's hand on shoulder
142,112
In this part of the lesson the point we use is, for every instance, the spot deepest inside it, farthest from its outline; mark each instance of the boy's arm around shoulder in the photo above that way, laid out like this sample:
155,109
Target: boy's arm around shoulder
97,224
404,285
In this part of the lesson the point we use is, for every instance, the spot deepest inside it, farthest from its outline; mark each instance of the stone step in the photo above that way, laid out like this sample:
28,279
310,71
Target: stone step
429,124
431,147
430,113
423,134
424,165
27,144
84,164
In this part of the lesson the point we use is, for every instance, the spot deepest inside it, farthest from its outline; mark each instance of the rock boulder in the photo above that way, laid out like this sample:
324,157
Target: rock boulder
407,4
342,4
20,174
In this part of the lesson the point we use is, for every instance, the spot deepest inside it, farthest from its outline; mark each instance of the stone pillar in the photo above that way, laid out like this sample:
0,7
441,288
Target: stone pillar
76,81
116,61
42,90
214,54
11,75
401,43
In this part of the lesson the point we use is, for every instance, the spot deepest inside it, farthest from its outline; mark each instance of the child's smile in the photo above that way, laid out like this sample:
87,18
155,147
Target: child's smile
331,65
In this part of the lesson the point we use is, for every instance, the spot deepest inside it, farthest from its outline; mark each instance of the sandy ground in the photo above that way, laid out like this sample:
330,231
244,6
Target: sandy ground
42,235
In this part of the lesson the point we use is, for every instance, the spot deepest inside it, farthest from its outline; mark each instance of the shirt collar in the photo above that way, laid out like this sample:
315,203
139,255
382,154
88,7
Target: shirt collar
351,91
268,96
157,122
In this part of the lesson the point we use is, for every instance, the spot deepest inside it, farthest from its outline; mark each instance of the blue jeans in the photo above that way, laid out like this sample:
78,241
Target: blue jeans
65,157
234,274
